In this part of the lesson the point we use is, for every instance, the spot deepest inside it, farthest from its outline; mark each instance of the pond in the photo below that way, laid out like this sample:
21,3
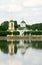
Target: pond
20,52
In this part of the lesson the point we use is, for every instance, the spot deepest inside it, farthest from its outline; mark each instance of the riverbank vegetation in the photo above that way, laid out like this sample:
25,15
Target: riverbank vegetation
5,24
36,29
4,44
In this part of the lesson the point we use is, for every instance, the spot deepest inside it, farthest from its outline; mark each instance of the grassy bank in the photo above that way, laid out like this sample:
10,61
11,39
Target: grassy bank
19,37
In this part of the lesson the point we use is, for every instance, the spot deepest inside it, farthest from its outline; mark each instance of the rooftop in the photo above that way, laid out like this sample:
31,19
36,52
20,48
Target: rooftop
23,28
23,21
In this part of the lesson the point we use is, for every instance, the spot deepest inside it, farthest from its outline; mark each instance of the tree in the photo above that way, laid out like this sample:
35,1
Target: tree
4,26
37,26
15,25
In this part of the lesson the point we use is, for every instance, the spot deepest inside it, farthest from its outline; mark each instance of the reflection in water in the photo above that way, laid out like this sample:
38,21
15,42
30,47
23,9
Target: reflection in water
11,48
4,46
23,45
20,52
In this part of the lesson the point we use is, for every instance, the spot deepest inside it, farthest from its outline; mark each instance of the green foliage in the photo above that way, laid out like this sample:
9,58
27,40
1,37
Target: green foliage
4,26
2,33
16,33
11,21
15,25
8,32
5,33
28,26
33,32
37,26
36,33
26,33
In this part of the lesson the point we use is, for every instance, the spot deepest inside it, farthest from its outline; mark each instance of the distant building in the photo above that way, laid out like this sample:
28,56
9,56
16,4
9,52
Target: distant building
11,26
22,28
23,24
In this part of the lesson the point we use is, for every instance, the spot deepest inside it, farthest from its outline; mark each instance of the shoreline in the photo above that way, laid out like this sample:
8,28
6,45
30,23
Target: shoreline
33,38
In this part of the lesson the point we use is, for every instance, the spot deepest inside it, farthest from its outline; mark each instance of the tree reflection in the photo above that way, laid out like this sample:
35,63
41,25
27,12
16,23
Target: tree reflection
11,47
37,44
4,46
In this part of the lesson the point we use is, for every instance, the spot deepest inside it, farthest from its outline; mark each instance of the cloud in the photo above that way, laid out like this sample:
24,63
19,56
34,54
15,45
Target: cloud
1,7
2,19
37,11
11,8
18,9
32,3
10,5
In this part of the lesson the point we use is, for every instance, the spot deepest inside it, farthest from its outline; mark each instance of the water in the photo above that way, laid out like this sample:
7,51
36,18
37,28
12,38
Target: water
20,52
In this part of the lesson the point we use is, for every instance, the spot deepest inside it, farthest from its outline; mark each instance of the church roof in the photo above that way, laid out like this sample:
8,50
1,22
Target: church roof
22,28
23,21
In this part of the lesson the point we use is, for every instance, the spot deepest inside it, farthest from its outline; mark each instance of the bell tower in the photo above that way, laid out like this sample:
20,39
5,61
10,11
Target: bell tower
11,26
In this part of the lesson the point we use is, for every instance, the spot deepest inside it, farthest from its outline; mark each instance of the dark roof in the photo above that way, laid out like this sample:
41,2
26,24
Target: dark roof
20,28
23,21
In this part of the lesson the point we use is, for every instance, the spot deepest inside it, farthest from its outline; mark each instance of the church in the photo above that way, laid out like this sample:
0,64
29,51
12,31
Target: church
11,26
21,29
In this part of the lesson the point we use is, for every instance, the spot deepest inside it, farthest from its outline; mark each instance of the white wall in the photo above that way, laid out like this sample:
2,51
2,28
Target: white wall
22,25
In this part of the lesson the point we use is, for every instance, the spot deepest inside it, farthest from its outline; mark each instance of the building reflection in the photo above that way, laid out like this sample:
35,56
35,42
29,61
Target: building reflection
22,46
12,49
11,46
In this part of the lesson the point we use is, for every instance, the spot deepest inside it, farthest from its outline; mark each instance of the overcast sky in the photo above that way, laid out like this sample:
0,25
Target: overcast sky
28,10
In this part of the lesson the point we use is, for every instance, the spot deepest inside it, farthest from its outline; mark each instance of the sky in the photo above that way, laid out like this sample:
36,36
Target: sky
28,10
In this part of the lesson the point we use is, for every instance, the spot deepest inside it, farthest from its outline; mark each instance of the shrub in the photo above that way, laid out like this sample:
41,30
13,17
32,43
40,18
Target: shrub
16,33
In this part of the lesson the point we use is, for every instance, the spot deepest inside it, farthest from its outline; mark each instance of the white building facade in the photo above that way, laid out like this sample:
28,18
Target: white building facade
22,28
22,24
